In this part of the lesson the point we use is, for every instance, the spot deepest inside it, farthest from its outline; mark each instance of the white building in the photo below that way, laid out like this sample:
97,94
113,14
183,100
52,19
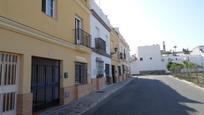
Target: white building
199,50
148,60
196,56
99,29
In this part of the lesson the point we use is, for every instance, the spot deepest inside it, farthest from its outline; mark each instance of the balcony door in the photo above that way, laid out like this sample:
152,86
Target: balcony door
78,26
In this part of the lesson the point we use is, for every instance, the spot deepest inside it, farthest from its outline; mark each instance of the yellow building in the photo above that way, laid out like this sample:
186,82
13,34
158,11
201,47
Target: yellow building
44,54
120,56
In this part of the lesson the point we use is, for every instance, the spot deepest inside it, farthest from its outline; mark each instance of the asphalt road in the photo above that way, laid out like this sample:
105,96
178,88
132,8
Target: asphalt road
154,95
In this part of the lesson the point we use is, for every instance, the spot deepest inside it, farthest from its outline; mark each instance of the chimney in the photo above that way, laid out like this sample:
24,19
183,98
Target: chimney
164,46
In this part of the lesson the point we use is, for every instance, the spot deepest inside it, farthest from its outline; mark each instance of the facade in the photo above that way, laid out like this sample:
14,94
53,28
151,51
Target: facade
148,60
55,51
120,55
100,57
44,54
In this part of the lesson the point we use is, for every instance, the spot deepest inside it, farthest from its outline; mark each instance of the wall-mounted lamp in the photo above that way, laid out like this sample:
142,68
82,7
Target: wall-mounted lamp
115,50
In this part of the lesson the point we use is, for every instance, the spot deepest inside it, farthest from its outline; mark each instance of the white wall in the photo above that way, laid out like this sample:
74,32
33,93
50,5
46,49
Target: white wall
197,59
98,10
103,33
147,52
93,64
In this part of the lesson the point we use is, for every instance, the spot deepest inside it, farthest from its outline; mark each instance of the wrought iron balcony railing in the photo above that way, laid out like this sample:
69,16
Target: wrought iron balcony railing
82,38
100,47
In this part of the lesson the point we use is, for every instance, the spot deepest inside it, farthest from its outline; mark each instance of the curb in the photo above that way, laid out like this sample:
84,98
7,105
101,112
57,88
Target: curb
105,97
187,82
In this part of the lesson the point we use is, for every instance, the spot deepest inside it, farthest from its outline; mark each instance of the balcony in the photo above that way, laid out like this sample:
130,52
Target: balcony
82,38
122,56
100,47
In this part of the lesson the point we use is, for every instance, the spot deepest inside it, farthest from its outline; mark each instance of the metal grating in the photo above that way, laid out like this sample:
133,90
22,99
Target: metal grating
9,69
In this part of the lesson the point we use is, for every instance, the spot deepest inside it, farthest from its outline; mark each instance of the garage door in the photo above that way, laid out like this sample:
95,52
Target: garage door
9,71
45,83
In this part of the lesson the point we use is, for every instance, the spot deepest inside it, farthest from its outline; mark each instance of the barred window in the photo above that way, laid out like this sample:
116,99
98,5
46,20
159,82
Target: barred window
100,68
80,73
100,44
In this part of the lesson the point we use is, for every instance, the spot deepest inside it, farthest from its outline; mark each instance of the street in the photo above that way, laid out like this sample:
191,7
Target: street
154,95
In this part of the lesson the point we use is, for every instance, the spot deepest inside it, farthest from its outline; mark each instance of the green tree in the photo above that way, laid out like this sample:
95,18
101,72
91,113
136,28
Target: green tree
174,67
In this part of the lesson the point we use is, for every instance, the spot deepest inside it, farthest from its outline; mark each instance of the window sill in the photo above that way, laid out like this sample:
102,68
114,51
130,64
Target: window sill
79,84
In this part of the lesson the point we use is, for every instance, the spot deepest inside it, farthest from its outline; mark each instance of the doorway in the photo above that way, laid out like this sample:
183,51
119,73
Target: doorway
113,74
45,83
107,73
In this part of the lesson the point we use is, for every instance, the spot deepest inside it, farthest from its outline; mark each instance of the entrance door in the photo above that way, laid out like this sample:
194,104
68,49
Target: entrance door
9,74
45,83
113,73
107,71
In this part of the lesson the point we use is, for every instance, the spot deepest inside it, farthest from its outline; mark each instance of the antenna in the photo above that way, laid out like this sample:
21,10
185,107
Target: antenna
164,46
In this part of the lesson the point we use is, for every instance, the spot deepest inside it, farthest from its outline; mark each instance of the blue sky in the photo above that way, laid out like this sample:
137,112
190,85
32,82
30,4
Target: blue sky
146,22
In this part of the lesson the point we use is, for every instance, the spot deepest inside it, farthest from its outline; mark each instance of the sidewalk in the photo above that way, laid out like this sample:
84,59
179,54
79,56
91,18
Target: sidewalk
86,103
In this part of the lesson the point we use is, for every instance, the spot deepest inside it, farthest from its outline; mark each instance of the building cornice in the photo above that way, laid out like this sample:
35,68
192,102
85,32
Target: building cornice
100,20
34,33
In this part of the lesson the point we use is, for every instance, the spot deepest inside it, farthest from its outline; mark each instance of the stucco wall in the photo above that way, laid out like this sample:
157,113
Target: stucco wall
28,12
105,35
147,52
28,47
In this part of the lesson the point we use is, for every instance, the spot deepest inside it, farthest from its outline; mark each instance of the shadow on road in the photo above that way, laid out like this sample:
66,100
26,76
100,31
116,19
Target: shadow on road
145,97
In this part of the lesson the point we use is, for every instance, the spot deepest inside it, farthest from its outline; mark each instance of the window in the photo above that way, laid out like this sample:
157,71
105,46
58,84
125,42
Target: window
48,7
201,50
141,59
99,68
107,70
123,67
124,54
80,73
78,31
100,44
78,23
